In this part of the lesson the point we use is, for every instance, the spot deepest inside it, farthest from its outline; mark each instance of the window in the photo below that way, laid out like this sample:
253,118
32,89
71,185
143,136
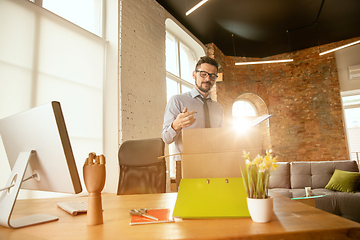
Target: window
182,53
180,63
243,113
84,13
171,55
243,109
49,59
351,106
187,63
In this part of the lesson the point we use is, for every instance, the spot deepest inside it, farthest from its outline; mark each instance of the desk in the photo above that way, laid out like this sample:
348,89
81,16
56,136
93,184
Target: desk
292,220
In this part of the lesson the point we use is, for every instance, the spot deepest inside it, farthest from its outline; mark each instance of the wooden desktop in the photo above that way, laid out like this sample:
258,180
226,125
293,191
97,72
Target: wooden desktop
291,220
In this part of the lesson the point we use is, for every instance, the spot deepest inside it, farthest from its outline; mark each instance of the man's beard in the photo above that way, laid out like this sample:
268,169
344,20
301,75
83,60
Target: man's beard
201,88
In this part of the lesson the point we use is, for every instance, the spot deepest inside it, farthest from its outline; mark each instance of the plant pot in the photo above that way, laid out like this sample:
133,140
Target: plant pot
261,210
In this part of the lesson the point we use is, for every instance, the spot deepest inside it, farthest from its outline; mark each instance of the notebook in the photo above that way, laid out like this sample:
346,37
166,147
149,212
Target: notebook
200,198
163,216
260,119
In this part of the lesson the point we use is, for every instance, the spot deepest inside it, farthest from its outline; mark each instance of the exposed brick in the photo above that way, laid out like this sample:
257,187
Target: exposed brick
303,96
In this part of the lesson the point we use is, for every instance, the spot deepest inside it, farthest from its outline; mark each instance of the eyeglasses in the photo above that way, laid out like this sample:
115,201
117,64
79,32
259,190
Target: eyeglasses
204,74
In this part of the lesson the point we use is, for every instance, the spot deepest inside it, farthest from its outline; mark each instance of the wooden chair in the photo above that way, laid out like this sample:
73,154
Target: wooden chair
140,169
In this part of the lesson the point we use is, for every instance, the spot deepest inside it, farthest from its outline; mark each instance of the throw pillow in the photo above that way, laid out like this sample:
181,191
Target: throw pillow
344,181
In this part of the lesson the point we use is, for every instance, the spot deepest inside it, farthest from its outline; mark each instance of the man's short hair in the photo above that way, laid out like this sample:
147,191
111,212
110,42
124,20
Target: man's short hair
208,60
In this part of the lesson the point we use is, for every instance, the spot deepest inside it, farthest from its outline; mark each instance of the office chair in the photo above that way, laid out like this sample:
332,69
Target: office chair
140,169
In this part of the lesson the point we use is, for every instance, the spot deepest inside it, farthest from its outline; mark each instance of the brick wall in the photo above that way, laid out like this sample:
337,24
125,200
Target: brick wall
142,69
303,96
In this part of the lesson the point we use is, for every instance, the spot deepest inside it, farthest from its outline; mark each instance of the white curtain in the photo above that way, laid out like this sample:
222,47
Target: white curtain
44,58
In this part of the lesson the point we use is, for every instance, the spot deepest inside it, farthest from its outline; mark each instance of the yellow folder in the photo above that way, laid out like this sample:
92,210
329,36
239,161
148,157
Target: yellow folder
211,198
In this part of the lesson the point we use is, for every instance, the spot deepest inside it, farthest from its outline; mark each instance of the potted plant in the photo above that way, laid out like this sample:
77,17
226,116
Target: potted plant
256,179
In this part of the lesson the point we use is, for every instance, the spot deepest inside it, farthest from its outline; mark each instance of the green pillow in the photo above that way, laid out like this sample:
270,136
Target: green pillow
343,181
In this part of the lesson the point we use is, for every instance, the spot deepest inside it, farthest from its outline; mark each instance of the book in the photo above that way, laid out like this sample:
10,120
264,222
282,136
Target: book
259,120
163,216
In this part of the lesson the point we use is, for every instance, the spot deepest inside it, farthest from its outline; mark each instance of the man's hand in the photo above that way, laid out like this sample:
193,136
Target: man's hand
183,120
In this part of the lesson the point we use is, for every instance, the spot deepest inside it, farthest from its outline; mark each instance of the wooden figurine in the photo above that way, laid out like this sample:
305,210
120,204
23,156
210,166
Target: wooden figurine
94,178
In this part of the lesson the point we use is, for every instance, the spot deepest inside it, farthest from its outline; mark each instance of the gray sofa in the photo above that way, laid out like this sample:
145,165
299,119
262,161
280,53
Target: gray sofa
291,178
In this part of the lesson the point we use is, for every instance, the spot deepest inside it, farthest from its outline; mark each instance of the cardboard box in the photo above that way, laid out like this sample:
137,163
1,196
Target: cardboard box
206,140
216,152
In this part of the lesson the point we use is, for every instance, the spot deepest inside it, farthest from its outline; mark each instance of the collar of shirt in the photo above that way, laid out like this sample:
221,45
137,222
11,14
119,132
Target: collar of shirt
194,93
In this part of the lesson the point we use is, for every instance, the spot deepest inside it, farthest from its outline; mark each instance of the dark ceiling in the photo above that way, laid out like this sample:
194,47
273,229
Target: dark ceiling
262,28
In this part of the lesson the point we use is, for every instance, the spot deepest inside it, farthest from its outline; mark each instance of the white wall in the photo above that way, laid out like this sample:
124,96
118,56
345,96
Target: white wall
344,58
142,69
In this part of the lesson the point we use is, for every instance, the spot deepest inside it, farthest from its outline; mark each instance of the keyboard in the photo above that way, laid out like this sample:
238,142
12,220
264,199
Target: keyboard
73,208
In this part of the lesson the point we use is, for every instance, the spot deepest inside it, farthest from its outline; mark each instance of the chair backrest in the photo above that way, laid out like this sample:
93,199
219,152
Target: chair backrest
140,169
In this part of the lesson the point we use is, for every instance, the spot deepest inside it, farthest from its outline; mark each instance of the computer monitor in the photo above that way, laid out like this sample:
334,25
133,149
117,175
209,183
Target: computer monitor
37,144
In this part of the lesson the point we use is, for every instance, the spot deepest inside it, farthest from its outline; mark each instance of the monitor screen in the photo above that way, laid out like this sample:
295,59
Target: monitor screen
43,130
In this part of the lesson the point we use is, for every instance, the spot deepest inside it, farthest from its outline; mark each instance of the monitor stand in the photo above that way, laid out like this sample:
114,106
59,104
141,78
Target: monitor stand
8,197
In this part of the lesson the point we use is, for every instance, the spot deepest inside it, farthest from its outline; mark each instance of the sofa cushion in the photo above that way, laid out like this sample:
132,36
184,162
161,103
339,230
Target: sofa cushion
348,204
323,171
329,202
340,203
280,177
317,174
300,174
344,181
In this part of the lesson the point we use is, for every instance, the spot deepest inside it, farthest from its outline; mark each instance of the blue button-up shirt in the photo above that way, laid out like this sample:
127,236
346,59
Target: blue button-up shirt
192,101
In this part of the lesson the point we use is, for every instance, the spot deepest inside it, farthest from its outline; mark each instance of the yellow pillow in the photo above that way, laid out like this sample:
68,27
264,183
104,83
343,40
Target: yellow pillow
344,181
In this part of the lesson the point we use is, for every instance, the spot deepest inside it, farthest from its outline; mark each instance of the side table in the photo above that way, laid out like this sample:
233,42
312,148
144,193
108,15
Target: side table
308,200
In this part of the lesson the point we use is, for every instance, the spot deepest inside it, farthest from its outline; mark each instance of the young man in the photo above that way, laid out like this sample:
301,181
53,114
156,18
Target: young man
189,110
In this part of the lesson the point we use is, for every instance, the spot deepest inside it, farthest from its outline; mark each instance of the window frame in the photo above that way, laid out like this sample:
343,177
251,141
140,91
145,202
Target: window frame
178,79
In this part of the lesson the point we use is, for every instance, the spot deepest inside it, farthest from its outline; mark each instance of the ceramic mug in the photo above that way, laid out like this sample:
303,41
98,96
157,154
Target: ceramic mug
307,191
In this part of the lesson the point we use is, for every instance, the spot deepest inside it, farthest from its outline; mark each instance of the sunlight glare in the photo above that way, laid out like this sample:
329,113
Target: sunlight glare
241,125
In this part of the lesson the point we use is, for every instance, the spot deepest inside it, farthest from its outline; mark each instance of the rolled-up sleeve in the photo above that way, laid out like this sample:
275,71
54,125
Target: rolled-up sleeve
173,108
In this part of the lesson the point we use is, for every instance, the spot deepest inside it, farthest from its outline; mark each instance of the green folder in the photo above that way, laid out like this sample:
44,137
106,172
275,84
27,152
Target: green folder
211,198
